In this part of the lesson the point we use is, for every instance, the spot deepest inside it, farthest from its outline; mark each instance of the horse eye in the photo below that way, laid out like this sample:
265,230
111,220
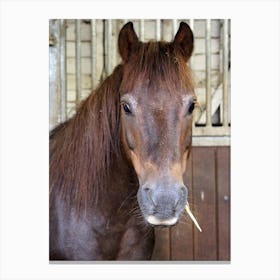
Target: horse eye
126,108
191,108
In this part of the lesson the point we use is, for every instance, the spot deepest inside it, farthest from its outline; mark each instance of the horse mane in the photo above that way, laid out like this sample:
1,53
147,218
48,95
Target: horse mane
158,63
84,148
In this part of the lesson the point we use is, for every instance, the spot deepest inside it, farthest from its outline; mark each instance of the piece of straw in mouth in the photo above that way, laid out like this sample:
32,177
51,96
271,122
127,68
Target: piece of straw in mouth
192,216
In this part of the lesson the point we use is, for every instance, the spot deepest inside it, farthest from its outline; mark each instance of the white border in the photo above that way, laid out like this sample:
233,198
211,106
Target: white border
24,138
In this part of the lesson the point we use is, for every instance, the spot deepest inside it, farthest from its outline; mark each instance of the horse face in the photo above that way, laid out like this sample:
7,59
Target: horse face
156,123
157,137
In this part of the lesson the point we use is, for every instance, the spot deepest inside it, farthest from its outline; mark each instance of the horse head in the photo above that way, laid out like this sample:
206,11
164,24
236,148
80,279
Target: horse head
157,99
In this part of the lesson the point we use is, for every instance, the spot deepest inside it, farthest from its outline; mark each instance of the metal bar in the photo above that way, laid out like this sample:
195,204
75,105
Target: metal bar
63,78
175,27
93,54
109,46
78,59
58,93
195,113
142,30
208,71
191,22
225,73
114,46
158,29
104,72
54,73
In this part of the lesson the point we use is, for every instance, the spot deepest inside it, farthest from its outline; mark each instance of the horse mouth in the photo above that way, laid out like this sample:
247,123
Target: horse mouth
161,222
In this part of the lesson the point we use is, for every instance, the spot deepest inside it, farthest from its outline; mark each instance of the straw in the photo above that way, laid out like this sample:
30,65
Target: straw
192,216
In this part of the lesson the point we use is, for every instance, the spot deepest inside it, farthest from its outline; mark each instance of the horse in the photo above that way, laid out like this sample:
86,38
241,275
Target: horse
117,165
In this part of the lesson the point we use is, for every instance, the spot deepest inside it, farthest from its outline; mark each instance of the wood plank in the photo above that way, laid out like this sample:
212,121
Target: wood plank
181,235
162,244
204,189
223,197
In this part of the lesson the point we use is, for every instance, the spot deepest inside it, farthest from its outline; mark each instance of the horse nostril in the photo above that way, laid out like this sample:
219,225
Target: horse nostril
182,196
184,191
148,192
177,203
151,199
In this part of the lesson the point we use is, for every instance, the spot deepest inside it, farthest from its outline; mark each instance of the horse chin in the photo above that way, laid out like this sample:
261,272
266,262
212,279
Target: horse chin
154,221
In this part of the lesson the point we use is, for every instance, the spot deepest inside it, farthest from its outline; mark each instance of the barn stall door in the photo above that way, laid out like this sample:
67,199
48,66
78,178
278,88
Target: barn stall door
208,180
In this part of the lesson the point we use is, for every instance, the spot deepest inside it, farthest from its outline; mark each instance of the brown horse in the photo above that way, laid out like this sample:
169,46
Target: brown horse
116,167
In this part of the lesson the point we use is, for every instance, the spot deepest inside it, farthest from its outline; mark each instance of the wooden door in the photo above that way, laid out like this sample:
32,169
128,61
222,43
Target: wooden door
208,181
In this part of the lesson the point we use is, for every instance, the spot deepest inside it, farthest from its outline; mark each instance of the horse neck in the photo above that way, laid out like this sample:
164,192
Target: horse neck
123,179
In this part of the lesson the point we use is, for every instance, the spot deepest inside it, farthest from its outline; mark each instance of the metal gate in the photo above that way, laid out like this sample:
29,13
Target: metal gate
84,52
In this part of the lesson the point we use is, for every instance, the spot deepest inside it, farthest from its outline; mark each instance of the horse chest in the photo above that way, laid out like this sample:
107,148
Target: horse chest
124,240
127,242
119,231
99,238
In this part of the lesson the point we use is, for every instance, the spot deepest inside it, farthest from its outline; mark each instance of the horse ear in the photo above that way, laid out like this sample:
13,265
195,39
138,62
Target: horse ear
183,41
128,41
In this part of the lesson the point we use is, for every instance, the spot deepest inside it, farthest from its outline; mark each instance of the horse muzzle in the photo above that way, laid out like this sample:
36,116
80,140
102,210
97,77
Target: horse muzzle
162,204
